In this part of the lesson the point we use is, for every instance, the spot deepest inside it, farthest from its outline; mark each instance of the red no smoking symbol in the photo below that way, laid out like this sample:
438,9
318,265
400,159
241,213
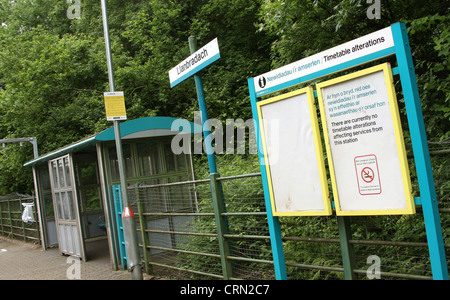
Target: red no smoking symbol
367,175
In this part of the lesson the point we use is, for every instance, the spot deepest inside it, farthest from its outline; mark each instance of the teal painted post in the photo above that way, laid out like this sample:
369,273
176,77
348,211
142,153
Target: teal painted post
118,205
421,152
203,111
222,225
216,186
348,255
273,222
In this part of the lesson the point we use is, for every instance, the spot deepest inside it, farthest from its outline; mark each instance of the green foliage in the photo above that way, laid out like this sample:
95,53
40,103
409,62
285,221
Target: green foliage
53,75
431,34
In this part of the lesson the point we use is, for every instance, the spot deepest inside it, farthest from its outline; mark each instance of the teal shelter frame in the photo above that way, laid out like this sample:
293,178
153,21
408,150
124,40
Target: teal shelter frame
428,198
132,131
117,196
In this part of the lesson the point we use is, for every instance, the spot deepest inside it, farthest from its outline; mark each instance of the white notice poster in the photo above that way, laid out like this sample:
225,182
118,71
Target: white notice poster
365,145
293,153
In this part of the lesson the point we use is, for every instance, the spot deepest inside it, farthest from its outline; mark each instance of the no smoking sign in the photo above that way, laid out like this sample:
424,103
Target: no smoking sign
367,175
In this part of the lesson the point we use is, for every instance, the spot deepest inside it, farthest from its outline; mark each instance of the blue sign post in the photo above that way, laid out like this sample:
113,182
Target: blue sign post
427,188
389,41
192,66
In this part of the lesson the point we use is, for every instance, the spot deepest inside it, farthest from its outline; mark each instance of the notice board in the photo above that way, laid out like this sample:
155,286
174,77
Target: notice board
364,142
115,106
293,155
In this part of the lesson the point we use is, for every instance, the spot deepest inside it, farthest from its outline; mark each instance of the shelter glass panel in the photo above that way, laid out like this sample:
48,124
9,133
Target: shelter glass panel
114,163
62,183
170,158
55,174
71,205
67,172
182,162
179,195
148,158
58,206
65,206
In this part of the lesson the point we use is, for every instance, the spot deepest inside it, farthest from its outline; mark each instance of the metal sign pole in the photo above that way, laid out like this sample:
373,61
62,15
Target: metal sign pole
203,111
272,221
422,160
129,224
216,186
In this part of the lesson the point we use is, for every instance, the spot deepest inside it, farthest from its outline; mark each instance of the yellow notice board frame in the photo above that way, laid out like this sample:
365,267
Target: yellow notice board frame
404,169
327,210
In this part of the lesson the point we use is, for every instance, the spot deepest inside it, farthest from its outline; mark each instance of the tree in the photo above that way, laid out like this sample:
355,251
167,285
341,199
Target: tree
54,68
305,27
52,84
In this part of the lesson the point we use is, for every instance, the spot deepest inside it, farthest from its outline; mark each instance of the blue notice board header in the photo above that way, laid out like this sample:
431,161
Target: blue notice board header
361,50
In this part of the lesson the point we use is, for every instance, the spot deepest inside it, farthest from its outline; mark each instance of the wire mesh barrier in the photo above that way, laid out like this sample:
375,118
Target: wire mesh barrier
178,232
181,241
11,223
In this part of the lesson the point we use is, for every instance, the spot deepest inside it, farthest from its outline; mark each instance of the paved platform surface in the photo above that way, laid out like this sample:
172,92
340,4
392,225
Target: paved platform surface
24,261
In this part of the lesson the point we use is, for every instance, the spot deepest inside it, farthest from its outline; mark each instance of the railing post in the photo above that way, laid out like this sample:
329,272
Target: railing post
1,218
23,223
10,219
222,225
348,256
145,241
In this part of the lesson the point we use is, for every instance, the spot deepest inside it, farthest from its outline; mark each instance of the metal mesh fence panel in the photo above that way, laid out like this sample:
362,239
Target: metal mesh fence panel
178,219
248,234
180,227
11,224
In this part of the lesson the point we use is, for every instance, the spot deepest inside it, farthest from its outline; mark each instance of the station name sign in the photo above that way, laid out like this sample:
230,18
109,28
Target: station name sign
293,73
195,62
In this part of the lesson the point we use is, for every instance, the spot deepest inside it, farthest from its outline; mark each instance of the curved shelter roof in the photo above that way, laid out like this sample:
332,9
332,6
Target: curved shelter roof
137,128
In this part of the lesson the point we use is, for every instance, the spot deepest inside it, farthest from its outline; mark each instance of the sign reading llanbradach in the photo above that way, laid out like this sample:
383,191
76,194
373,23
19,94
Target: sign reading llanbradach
297,72
194,63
